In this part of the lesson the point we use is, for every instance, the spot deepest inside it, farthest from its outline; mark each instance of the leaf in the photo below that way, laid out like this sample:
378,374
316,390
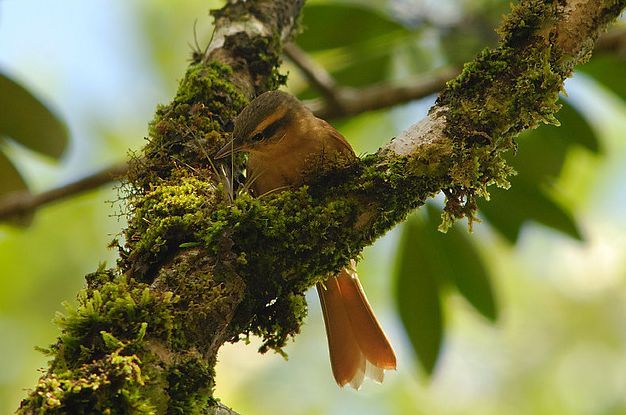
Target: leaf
356,57
328,26
460,263
28,121
417,296
353,74
12,180
542,151
426,260
509,209
538,161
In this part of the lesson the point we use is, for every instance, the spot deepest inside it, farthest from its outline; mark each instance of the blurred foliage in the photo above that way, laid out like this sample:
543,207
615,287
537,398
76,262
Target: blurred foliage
608,70
361,44
418,293
539,161
29,122
369,43
172,32
429,262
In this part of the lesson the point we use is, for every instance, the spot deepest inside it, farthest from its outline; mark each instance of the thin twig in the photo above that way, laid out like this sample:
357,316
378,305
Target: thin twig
383,95
20,204
315,73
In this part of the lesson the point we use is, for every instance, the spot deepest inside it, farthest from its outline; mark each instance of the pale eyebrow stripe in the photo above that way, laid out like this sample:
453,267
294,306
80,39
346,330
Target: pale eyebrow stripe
269,121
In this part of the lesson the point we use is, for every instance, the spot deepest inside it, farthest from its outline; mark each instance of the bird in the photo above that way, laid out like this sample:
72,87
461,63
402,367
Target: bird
282,137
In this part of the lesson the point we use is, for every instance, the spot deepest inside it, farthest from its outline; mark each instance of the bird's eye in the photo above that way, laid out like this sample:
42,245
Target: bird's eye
257,137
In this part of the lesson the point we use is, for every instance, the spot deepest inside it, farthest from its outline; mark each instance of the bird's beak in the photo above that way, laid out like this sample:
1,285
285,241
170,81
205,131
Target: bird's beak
230,148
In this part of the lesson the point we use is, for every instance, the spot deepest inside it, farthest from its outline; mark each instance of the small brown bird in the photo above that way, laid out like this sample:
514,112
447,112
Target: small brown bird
282,137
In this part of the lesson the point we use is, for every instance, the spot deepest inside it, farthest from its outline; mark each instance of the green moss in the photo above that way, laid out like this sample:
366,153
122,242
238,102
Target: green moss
209,294
502,92
117,379
130,345
261,56
191,213
165,217
194,123
102,348
294,228
190,385
109,343
117,312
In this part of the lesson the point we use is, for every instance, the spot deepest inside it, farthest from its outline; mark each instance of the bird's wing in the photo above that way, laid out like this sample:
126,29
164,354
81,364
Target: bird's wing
342,144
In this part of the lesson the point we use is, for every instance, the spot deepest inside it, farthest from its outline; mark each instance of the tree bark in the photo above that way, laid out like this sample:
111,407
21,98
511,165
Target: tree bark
201,266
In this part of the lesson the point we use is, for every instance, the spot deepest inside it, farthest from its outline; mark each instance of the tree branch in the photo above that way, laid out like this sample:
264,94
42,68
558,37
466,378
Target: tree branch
349,102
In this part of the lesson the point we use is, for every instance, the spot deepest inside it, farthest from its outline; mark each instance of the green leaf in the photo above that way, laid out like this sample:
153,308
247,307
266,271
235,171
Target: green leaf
417,296
539,160
427,259
509,209
28,121
460,263
12,180
356,57
353,74
328,26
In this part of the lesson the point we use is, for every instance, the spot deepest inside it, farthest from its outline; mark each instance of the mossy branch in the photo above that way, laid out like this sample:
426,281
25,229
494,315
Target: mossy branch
199,268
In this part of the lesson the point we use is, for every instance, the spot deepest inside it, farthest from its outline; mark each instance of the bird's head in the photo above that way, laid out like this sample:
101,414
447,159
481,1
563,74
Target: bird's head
266,120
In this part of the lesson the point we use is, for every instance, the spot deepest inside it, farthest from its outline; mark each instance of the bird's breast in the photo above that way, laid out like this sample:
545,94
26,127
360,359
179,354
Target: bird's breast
271,172
286,163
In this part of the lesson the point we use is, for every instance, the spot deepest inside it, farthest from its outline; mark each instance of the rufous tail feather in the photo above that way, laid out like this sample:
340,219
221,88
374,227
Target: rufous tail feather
357,344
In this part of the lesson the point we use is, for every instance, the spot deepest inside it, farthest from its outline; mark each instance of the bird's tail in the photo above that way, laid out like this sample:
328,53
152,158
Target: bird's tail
357,344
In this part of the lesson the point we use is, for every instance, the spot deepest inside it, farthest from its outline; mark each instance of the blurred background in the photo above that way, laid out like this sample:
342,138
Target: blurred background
526,315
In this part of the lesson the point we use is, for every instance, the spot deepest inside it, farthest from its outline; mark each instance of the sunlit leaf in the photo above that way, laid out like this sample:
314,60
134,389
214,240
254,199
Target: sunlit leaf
28,121
417,296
